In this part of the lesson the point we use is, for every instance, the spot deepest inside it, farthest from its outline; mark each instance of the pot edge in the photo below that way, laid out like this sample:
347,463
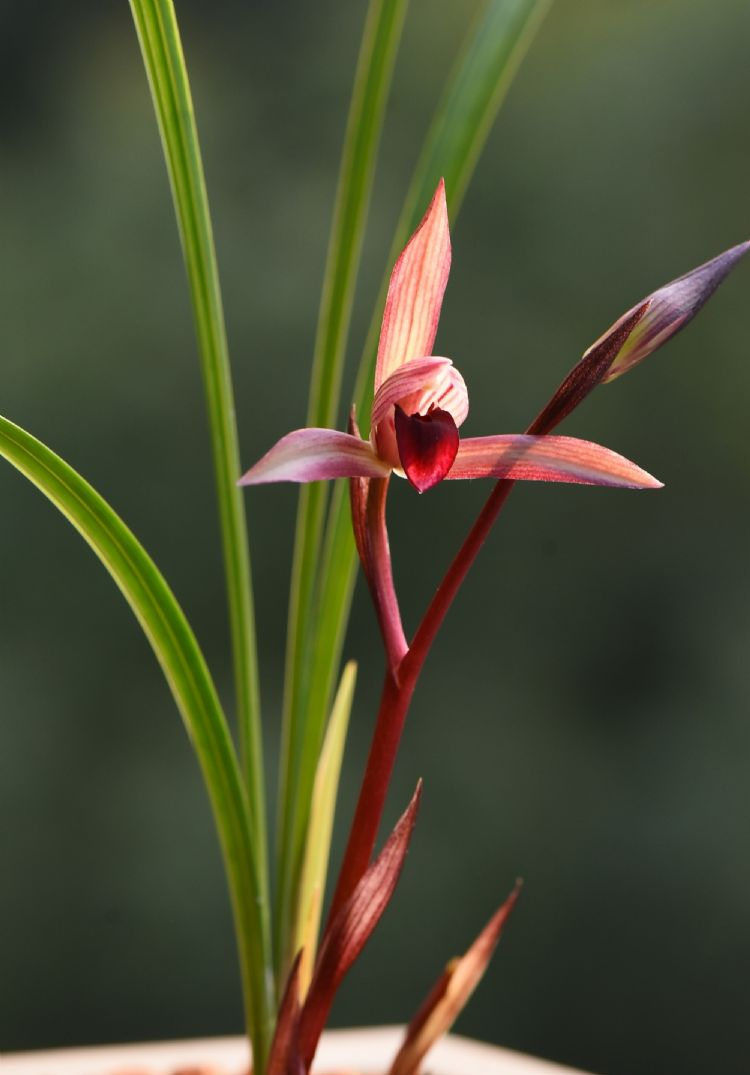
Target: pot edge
370,1050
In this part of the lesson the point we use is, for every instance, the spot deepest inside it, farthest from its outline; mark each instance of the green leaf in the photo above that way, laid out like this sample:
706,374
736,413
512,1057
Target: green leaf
322,810
159,37
491,54
190,681
301,737
490,57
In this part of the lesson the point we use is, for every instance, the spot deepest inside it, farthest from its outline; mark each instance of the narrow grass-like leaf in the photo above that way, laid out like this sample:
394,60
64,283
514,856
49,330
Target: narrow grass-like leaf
189,680
318,846
494,47
301,738
490,57
492,53
159,38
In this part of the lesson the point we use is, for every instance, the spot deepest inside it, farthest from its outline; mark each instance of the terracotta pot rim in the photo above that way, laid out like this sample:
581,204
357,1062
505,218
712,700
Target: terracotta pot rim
368,1051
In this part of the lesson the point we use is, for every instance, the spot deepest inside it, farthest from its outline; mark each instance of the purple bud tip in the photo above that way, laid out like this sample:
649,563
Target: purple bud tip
671,308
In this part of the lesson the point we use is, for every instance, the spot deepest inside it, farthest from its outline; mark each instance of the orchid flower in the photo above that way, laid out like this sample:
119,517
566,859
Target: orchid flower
421,400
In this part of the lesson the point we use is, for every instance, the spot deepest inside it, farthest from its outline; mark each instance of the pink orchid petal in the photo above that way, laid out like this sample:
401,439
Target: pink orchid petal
554,459
427,446
669,309
421,384
311,455
415,293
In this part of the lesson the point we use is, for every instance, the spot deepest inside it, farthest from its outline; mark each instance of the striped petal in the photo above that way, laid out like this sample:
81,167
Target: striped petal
668,310
416,387
519,456
415,293
311,455
419,385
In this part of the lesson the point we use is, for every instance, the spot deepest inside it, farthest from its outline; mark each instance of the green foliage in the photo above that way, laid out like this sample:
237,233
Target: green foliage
454,142
159,37
323,571
193,690
303,724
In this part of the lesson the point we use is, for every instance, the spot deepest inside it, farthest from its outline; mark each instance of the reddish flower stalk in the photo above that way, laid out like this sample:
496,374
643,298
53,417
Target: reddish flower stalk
398,691
394,706
380,575
395,701
582,380
420,401
352,927
300,1024
636,334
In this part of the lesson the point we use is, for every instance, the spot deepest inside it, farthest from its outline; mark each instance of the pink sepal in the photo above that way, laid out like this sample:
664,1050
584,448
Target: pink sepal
415,292
554,459
311,455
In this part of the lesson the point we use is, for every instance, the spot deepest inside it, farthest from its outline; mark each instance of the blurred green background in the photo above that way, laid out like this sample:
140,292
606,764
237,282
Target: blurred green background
583,718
